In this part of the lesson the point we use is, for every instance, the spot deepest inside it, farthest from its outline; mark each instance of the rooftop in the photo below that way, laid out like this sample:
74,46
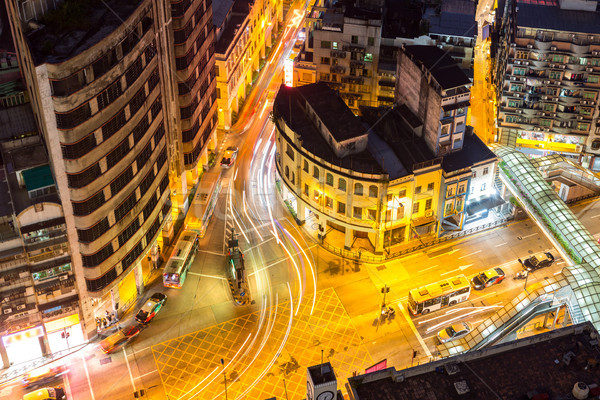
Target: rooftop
443,67
228,34
553,17
456,18
547,365
321,373
220,10
16,121
331,109
402,19
473,151
75,26
290,105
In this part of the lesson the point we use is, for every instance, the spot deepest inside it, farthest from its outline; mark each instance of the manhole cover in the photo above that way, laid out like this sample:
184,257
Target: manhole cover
105,360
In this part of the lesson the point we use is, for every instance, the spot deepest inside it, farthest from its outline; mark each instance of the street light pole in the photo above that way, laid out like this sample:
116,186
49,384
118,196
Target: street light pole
224,377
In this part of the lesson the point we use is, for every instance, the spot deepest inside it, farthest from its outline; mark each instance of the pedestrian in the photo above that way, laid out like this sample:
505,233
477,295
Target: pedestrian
103,323
109,318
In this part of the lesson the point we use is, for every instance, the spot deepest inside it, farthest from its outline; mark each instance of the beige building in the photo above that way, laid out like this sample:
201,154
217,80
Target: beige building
245,29
117,127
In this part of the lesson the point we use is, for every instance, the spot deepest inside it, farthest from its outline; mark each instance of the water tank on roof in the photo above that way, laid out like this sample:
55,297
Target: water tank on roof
581,391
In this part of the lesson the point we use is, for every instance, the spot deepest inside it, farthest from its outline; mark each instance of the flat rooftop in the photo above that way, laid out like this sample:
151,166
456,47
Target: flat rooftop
551,16
442,66
474,151
75,26
16,121
228,34
547,365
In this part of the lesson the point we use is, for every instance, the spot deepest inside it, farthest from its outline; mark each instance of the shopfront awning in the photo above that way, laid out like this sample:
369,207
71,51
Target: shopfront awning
486,203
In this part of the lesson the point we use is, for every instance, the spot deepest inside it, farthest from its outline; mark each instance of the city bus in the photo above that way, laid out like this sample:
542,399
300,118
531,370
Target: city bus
205,200
179,263
444,293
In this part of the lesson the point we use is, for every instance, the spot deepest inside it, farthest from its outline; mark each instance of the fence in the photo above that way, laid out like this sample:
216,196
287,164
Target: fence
377,259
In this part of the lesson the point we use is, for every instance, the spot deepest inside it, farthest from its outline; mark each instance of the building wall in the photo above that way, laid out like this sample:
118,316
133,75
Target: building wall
236,66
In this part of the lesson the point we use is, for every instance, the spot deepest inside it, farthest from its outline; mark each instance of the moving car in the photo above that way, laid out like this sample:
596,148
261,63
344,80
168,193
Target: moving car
229,156
151,308
455,331
43,375
537,261
48,393
487,278
119,338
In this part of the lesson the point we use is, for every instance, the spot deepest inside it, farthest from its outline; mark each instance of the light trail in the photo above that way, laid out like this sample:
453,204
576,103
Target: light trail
233,215
247,216
300,289
283,342
476,311
216,369
312,270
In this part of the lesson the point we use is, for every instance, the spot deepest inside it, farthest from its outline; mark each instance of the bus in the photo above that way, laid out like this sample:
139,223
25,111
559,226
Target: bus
444,293
179,263
205,199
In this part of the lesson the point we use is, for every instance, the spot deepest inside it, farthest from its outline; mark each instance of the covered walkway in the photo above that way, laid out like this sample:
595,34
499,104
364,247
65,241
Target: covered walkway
578,285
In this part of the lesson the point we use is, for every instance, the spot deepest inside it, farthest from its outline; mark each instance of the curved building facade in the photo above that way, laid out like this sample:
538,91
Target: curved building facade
99,88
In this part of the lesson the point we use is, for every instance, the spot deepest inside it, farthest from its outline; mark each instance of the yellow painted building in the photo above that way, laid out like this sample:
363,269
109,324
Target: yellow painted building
244,33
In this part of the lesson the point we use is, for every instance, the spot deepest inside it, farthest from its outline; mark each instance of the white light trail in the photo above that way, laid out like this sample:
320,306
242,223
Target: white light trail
247,216
312,270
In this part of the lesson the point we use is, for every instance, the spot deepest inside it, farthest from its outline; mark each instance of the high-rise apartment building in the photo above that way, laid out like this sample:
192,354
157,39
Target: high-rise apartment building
102,77
547,75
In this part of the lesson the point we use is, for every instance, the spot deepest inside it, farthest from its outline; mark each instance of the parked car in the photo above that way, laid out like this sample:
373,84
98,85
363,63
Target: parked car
151,308
455,331
48,393
120,338
43,375
229,156
492,276
537,261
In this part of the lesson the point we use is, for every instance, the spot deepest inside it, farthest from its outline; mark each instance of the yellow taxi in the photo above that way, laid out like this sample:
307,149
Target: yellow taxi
46,394
119,338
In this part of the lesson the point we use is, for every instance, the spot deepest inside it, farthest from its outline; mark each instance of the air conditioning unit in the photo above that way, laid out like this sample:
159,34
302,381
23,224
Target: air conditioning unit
580,117
553,48
526,62
543,114
563,66
589,69
544,97
518,62
584,102
517,95
21,306
519,111
546,82
429,213
63,277
530,46
7,310
595,52
513,45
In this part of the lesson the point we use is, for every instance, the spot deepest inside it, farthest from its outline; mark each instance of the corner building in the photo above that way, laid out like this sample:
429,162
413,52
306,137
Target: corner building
116,127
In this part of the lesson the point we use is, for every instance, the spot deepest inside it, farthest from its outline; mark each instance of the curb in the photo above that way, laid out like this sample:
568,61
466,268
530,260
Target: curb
239,300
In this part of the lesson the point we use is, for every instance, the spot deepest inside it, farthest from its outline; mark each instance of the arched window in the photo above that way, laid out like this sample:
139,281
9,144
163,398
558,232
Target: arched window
287,172
293,180
315,172
342,184
329,179
372,191
358,189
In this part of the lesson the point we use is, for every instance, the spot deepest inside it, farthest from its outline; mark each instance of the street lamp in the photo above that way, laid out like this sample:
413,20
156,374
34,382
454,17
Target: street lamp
224,377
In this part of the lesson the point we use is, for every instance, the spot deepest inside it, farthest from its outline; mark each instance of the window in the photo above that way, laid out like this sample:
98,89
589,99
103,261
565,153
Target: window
125,207
305,168
342,184
373,191
341,208
316,195
400,212
485,171
372,214
430,186
289,151
121,181
368,57
354,39
129,232
328,202
519,71
460,110
445,129
474,174
447,114
316,172
325,44
79,149
554,74
329,179
450,192
85,177
334,45
415,209
483,187
459,204
117,154
357,212
94,232
461,188
358,189
306,190
582,126
109,95
325,60
418,190
97,258
402,193
287,172
112,126
428,204
371,41
592,78
73,118
448,209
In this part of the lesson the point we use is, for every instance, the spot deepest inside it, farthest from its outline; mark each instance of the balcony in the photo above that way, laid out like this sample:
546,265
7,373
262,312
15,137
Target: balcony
353,47
338,54
357,64
353,79
337,69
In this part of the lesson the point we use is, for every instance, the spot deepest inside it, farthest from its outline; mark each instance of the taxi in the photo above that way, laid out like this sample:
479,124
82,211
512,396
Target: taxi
119,338
48,393
229,156
43,375
487,278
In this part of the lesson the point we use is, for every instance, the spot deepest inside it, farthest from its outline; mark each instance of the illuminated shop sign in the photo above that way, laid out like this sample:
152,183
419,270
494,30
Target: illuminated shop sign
23,335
